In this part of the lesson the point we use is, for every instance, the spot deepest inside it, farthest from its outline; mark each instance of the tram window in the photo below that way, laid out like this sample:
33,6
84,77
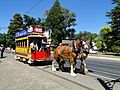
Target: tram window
17,44
38,40
25,43
44,39
21,43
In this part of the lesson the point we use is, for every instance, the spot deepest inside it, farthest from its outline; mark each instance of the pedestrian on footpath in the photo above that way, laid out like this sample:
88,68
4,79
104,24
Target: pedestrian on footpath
2,50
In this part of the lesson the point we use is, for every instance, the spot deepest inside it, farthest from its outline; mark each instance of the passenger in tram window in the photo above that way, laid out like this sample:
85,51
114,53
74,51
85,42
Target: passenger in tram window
42,47
34,46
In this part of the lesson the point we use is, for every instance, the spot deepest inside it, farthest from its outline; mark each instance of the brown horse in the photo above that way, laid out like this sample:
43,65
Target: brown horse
64,52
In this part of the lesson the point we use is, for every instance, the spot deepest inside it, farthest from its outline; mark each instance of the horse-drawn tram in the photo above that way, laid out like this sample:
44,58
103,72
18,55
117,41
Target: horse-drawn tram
32,45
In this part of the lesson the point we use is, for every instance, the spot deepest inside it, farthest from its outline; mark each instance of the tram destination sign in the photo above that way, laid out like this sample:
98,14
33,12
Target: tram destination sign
21,33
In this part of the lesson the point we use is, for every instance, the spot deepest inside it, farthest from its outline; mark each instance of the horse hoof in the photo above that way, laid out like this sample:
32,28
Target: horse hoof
85,71
73,74
53,69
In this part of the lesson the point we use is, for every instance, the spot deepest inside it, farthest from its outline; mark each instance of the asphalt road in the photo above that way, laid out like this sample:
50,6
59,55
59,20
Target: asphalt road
104,67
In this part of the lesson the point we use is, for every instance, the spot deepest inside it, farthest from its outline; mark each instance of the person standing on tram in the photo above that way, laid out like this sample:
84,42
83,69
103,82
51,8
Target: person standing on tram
34,46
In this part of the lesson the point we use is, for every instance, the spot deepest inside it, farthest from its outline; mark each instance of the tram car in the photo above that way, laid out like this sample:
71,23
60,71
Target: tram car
24,40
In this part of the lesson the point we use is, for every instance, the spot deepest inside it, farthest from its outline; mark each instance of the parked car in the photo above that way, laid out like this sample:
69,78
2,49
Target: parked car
93,50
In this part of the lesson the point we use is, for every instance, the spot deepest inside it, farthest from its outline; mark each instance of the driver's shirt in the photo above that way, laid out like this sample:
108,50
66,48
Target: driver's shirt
32,45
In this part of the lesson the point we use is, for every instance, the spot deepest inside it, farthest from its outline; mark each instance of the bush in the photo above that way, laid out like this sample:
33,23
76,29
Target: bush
116,49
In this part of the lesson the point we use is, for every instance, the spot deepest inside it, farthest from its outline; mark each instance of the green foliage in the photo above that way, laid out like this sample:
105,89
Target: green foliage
3,39
15,24
114,15
86,35
116,49
106,37
70,18
101,46
32,21
58,19
70,33
55,22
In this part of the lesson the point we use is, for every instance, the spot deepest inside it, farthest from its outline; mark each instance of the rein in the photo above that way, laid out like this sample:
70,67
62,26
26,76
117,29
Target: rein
63,50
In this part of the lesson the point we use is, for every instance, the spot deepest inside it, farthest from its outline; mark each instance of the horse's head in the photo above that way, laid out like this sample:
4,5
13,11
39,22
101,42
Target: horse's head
85,47
83,50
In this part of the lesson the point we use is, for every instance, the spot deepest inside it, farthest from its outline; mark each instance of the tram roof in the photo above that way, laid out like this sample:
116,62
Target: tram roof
25,33
36,36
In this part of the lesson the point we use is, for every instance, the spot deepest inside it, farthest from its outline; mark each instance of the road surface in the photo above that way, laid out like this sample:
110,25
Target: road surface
16,75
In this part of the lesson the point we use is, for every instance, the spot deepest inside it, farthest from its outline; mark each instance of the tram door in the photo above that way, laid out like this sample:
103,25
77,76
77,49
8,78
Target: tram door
42,52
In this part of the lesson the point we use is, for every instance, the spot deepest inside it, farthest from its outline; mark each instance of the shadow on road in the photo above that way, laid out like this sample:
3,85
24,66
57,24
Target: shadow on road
67,70
108,85
3,57
42,63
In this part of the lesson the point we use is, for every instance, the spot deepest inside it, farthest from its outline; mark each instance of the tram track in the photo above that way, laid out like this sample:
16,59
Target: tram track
64,78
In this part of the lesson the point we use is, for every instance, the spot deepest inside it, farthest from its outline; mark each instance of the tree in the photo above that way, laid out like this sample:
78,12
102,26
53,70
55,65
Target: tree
71,33
33,21
59,20
114,15
70,18
69,21
30,20
86,35
105,36
55,22
3,39
15,24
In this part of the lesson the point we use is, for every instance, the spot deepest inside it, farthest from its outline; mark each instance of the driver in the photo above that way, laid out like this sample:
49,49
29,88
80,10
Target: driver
34,46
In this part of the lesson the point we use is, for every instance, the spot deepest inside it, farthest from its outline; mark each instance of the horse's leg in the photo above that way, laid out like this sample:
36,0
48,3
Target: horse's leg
72,65
85,65
53,62
83,68
72,71
75,64
53,65
62,65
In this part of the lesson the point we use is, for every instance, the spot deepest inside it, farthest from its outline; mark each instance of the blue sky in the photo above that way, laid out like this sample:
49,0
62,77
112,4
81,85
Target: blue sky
90,14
